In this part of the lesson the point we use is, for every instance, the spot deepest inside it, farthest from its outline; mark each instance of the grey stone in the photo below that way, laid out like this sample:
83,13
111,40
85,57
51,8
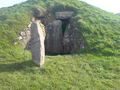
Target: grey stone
22,33
37,44
33,20
71,41
40,16
24,37
53,40
63,15
76,41
66,39
28,32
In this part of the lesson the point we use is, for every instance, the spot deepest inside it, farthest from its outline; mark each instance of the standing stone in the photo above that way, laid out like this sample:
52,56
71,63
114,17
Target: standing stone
66,39
53,40
37,44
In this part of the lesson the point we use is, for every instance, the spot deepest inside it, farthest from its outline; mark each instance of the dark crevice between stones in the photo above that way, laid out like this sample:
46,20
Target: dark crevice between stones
64,25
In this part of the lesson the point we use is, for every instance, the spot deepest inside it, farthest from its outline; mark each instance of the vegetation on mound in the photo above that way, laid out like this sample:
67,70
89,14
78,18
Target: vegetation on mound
69,72
99,29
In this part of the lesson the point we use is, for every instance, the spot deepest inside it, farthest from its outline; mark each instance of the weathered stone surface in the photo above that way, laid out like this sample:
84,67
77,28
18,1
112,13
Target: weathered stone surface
63,15
33,20
66,39
22,34
53,40
37,43
76,41
40,16
57,40
71,41
25,35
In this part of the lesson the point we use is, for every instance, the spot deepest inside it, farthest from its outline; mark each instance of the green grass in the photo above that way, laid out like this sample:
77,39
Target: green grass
100,30
98,69
68,72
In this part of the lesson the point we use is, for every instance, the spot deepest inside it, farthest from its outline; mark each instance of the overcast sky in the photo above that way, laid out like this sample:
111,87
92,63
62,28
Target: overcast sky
7,3
107,5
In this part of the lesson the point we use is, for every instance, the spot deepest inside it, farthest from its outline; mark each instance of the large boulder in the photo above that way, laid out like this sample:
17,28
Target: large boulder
53,40
37,43
63,15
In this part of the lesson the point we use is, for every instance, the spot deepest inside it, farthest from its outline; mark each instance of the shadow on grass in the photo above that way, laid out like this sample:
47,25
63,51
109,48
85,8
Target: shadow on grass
16,66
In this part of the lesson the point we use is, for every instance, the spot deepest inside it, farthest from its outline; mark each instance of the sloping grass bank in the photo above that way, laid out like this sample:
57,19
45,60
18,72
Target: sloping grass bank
68,72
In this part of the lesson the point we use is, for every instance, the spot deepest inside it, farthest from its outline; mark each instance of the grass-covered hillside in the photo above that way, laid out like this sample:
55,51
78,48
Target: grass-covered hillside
97,67
99,29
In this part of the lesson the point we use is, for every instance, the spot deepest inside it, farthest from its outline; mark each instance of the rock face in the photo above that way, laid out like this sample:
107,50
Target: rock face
40,16
66,39
75,41
63,15
53,40
71,42
25,36
37,44
61,36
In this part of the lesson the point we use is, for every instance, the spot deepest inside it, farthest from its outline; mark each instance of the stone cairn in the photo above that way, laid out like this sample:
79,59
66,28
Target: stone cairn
25,35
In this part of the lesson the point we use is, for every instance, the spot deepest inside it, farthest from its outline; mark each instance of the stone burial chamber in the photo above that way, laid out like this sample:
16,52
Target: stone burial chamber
61,36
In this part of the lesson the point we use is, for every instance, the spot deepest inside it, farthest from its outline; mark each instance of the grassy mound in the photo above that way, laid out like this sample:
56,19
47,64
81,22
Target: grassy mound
100,31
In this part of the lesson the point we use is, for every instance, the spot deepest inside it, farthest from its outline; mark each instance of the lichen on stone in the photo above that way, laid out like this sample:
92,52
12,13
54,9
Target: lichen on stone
43,28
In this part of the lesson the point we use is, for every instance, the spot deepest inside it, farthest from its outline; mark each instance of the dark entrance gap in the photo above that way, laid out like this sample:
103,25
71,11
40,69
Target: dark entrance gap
64,25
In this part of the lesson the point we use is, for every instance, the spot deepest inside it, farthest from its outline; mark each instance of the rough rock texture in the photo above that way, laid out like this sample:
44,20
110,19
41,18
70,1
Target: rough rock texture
76,42
40,16
53,40
66,39
25,36
57,40
37,43
71,42
63,15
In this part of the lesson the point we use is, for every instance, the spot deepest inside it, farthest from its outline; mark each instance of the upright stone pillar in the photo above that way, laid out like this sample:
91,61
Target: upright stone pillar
37,43
66,39
53,42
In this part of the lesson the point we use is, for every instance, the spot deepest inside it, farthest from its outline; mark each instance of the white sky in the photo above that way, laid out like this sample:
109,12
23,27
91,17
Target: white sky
7,3
107,5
